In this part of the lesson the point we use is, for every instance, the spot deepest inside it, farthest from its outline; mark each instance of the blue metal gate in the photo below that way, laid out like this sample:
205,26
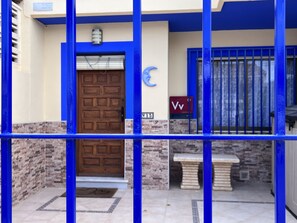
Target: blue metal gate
137,136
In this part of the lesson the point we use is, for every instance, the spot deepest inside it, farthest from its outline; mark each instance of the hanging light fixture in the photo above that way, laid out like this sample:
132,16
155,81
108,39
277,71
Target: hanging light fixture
97,36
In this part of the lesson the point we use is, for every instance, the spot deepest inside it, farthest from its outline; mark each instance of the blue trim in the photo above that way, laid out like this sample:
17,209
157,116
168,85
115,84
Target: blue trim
247,51
234,16
71,112
82,48
279,108
6,107
207,117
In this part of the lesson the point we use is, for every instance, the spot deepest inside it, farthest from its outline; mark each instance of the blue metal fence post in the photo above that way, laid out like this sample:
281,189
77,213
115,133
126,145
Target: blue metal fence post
137,127
6,118
71,112
207,164
279,107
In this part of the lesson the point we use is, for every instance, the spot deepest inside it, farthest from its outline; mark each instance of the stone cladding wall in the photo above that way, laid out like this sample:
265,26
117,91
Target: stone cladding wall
37,163
155,156
255,156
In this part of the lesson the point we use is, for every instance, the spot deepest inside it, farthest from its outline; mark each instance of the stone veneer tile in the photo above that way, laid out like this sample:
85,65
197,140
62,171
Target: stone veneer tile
155,156
55,156
31,159
254,156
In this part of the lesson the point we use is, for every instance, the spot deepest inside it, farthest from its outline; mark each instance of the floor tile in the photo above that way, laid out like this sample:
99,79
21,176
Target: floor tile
245,204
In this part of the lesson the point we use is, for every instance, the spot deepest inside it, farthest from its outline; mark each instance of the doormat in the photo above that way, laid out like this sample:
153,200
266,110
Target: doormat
94,192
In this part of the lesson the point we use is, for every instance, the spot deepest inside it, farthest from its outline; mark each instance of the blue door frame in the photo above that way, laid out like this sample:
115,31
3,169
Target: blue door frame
86,48
6,132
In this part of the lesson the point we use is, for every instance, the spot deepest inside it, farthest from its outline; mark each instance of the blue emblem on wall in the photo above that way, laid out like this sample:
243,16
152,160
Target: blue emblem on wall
146,76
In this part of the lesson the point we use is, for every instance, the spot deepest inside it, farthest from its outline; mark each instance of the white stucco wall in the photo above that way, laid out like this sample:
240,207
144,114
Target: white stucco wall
155,53
27,78
180,42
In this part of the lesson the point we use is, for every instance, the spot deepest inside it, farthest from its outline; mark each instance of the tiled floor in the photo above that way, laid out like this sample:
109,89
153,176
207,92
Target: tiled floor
247,203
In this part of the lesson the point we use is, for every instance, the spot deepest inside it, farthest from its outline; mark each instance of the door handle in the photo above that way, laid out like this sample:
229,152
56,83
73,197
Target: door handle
122,114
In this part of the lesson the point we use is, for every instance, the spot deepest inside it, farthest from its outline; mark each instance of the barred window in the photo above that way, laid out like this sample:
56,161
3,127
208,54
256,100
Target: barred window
243,89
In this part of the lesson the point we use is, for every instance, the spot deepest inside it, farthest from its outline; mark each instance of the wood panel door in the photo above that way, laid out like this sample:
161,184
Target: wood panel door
101,109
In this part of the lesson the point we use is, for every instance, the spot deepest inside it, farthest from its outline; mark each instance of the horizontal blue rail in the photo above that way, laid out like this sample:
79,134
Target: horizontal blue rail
149,136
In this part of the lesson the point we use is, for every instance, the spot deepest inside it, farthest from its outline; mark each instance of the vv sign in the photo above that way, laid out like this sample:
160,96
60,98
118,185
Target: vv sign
181,107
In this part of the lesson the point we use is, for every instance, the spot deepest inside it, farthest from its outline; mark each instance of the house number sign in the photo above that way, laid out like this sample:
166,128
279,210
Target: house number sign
147,115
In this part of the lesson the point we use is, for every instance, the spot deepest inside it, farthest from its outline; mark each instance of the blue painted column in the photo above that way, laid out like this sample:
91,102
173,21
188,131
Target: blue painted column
6,118
206,121
279,105
71,112
137,128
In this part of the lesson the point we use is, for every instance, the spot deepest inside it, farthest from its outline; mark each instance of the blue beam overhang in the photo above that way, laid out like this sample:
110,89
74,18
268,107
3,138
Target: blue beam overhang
234,16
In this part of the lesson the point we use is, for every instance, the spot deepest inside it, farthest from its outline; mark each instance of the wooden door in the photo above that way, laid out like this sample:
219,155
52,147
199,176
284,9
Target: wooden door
101,110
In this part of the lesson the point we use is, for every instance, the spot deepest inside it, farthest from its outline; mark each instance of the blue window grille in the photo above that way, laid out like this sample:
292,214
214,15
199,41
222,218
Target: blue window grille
242,88
6,131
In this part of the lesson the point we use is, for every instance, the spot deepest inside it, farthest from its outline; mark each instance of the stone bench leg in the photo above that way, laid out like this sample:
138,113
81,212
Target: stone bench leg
222,180
190,175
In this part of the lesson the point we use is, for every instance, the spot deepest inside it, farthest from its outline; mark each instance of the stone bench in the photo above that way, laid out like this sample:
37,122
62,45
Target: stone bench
222,169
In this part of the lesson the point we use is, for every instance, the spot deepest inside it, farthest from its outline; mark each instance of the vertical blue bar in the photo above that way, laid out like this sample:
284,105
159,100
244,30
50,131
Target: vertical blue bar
229,96
197,92
279,108
137,129
206,120
237,92
287,83
192,87
244,93
269,87
292,88
212,93
221,92
253,91
6,157
294,78
71,112
261,91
